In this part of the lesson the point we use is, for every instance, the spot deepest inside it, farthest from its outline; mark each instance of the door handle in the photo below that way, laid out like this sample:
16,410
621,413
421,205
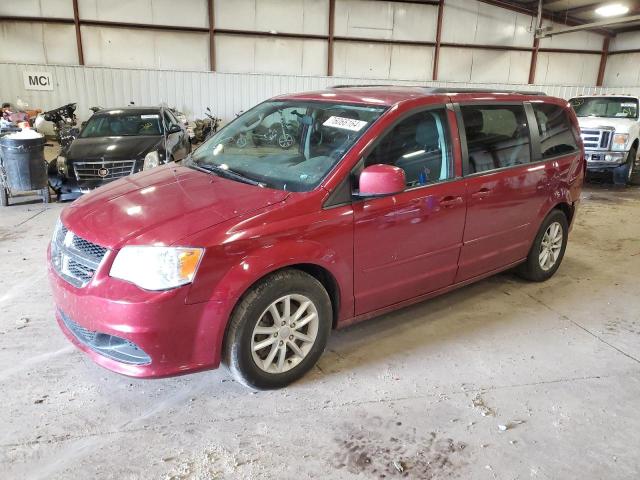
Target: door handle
482,193
451,201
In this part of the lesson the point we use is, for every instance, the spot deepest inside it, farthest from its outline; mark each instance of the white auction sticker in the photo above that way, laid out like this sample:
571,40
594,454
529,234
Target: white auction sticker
345,123
149,116
625,105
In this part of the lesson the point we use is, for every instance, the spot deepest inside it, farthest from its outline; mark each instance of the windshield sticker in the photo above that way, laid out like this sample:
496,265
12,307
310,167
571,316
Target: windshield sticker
625,105
155,115
345,123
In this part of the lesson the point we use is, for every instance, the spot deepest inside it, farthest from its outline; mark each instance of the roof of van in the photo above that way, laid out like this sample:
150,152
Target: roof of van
393,94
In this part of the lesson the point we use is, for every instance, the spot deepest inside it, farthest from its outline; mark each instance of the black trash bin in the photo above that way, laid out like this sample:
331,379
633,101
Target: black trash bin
22,167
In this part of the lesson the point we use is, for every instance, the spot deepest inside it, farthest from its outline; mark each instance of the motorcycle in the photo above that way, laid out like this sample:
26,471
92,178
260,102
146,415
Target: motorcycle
206,127
279,133
64,124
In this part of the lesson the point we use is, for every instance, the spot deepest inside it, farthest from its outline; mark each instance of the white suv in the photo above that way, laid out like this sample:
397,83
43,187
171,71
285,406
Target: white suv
610,131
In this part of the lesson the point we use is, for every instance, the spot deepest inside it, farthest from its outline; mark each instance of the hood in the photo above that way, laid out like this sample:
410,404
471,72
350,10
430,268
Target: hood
622,125
113,148
162,206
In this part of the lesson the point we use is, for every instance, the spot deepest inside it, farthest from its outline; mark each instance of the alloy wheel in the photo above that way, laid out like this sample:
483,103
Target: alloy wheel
550,246
284,334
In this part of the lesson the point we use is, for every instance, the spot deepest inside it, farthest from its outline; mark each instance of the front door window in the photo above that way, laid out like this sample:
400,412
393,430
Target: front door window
419,145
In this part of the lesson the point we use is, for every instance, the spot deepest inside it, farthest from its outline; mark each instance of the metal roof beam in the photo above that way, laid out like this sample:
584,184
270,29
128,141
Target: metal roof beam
587,26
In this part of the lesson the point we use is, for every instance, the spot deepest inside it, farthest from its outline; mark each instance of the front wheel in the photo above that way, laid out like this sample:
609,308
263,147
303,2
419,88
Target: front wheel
626,174
285,141
548,248
278,330
4,196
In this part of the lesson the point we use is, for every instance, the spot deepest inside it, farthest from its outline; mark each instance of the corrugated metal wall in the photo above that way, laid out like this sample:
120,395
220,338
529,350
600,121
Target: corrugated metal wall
192,92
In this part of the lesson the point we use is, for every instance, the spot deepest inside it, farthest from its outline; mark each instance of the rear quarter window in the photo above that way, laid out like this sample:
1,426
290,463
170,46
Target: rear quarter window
555,129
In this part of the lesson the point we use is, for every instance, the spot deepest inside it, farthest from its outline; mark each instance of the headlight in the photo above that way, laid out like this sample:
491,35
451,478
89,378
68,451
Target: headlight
152,160
61,165
157,268
620,141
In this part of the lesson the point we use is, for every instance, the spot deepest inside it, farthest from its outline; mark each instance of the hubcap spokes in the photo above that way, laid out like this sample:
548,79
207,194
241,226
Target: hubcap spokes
284,334
550,246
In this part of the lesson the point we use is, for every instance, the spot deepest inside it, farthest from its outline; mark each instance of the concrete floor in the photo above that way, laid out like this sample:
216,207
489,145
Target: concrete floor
557,364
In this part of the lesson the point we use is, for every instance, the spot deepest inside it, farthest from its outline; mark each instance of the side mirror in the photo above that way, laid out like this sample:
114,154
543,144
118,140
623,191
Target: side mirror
175,129
379,180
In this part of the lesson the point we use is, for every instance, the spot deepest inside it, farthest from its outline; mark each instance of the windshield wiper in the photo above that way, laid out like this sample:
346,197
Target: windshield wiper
227,173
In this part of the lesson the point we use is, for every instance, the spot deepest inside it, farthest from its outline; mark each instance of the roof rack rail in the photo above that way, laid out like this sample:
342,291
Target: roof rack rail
444,90
482,90
362,85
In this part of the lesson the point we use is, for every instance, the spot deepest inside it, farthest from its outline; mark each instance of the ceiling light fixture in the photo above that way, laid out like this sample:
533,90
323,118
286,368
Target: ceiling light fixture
612,10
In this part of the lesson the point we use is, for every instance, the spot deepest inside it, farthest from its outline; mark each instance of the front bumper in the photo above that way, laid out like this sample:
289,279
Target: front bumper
604,161
177,337
69,188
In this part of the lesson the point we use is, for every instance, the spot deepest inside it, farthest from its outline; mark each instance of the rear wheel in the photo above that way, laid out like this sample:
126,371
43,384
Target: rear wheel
241,141
278,330
548,248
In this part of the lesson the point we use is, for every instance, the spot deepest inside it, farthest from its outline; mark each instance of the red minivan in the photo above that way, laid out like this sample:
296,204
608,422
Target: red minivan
310,212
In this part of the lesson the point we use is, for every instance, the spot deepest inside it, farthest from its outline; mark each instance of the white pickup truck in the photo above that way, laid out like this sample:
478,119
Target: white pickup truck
610,131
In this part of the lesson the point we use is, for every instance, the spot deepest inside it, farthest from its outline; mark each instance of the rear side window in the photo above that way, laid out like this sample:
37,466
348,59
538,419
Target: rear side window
497,136
556,132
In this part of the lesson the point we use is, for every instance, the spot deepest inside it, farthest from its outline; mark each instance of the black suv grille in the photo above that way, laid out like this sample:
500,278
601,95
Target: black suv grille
74,258
110,346
102,170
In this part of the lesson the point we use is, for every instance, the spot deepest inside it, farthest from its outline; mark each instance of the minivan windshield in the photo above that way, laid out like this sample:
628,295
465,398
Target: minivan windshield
288,145
117,123
605,107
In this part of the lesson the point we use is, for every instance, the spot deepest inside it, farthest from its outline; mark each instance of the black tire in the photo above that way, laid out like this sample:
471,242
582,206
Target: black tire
634,175
624,174
237,354
4,197
531,268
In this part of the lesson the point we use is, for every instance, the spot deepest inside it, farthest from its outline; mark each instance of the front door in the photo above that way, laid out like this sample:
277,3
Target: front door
408,244
175,137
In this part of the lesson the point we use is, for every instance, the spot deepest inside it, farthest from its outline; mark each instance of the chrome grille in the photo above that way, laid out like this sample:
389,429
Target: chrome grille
107,170
74,258
597,139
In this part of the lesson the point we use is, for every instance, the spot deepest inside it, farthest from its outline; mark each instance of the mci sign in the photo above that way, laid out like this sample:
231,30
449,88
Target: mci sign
38,80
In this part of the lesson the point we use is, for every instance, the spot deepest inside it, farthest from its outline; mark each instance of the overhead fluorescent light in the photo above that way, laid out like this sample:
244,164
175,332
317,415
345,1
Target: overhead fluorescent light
612,10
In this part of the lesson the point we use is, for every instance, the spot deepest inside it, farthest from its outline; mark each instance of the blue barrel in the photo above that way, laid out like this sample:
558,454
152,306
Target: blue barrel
23,163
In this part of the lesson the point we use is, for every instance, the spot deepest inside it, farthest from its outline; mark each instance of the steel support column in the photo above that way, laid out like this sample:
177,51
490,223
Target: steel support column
436,53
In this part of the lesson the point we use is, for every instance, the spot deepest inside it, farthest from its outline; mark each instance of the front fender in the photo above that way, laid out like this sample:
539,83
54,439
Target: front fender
263,261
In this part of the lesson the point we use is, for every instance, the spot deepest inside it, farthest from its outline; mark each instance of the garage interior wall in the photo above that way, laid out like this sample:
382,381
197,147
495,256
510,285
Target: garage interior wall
624,68
481,44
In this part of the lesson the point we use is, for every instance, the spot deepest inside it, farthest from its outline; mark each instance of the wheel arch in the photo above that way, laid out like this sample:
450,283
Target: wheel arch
567,209
319,272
